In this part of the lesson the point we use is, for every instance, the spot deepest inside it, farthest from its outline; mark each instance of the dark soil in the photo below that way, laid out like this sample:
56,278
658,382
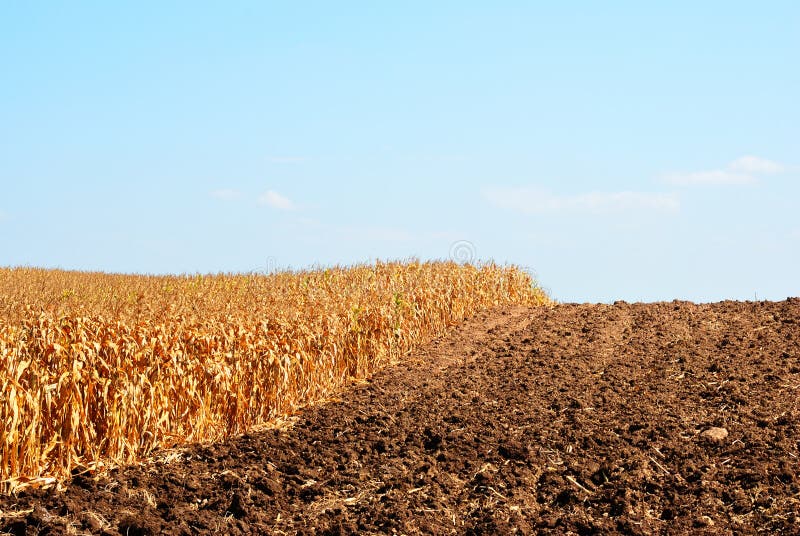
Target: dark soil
576,419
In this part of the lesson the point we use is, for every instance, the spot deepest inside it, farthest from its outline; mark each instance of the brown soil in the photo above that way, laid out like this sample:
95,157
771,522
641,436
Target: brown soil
638,419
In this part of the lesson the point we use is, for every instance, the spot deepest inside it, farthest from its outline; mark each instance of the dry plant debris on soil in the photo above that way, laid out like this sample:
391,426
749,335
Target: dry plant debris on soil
98,369
667,418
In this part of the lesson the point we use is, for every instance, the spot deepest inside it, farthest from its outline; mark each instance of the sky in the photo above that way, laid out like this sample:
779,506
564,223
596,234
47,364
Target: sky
617,150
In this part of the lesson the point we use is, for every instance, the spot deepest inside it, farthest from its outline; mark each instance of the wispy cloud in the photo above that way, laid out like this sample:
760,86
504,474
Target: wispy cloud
275,200
286,159
743,170
534,200
756,165
226,194
4,216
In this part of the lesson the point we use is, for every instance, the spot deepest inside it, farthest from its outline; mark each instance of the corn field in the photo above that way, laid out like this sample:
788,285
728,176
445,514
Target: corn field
100,369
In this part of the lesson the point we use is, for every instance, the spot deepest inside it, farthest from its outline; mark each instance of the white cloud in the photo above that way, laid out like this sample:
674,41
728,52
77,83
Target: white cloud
713,177
226,194
273,199
744,170
533,200
756,165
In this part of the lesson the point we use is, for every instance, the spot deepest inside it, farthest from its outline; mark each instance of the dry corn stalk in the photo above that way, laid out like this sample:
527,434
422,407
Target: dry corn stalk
99,368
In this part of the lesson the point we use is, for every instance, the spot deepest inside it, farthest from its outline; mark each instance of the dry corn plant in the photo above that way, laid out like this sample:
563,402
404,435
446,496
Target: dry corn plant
103,369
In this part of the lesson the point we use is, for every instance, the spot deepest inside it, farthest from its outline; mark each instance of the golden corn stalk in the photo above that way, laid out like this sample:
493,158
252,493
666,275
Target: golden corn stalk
102,369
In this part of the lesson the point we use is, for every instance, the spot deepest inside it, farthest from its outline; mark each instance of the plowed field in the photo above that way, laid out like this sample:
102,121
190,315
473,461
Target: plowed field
626,418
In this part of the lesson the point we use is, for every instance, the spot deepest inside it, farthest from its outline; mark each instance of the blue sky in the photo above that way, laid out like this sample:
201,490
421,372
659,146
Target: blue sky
620,150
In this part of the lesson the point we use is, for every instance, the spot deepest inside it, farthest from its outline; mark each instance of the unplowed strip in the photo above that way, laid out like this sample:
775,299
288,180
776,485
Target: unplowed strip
637,419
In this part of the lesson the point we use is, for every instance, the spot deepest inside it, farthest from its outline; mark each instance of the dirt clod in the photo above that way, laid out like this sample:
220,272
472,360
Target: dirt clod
715,434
